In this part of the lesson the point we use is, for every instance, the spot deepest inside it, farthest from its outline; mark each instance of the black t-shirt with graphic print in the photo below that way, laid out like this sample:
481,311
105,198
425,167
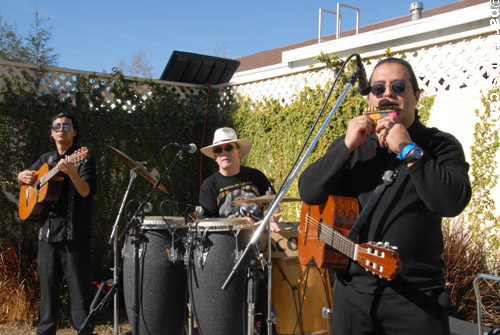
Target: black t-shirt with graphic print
218,193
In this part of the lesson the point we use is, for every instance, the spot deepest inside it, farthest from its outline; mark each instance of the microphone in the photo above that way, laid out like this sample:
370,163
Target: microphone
196,210
191,147
190,209
148,207
364,87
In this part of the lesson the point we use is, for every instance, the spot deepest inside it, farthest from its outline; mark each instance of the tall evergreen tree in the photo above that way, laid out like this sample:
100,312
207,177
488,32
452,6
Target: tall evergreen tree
33,48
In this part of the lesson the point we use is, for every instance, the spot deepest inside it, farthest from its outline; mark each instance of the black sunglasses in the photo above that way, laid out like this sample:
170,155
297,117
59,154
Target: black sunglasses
66,127
397,87
227,147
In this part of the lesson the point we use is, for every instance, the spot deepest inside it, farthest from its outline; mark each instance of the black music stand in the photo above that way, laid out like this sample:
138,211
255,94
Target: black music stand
186,67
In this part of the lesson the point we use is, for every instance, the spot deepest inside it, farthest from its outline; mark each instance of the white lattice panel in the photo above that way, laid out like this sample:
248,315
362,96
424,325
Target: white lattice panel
63,81
284,88
448,66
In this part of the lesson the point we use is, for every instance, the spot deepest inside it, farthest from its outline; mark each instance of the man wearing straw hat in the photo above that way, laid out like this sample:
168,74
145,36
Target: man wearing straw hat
221,191
233,181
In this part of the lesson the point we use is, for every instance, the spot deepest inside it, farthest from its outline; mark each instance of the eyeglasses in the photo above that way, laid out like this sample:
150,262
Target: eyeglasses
397,87
227,147
65,126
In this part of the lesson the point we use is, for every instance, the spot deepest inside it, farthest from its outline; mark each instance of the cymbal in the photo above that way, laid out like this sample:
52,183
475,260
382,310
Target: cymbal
137,167
265,199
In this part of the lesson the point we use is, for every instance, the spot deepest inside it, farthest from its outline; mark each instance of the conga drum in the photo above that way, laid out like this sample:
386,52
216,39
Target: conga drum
300,294
162,286
218,244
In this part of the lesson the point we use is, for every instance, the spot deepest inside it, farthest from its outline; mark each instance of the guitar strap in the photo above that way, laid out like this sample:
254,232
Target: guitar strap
387,178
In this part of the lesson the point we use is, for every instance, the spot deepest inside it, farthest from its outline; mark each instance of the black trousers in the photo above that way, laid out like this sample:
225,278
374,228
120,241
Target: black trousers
55,260
410,312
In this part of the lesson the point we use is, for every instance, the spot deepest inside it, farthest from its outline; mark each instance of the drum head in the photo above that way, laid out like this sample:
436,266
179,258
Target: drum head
162,222
222,224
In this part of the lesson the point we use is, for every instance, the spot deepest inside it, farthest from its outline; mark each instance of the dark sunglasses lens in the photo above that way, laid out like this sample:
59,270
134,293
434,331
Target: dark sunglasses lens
398,87
228,148
378,89
65,127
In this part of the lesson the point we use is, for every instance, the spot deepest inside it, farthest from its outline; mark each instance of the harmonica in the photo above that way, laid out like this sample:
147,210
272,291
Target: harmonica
377,113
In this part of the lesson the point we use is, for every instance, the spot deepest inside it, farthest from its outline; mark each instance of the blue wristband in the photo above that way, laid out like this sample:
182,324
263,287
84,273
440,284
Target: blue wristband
406,150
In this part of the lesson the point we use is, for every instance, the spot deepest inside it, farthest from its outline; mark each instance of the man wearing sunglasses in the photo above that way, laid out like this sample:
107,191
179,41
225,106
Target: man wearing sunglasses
233,181
431,183
63,237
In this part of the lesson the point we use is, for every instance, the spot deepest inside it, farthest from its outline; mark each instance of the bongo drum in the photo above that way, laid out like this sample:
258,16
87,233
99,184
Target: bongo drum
162,285
217,246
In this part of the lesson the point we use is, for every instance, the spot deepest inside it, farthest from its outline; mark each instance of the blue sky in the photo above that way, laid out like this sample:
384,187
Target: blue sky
96,35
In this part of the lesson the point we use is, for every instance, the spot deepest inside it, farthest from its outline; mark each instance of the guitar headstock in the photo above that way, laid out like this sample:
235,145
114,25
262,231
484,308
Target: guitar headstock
379,258
79,156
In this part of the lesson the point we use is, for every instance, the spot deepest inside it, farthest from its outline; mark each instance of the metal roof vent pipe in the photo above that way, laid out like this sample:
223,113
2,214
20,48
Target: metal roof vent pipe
416,9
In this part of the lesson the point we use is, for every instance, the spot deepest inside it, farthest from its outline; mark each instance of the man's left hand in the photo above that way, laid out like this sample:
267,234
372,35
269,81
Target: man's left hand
392,134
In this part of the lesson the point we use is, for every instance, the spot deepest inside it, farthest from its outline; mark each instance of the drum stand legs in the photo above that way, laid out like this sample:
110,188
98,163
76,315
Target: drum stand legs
251,296
190,318
104,301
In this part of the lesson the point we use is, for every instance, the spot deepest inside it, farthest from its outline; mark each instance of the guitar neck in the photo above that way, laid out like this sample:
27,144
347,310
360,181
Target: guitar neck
338,241
48,176
78,156
319,223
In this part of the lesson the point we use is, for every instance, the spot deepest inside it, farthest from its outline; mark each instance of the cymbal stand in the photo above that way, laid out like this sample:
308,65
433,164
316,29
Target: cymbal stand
114,239
177,157
274,204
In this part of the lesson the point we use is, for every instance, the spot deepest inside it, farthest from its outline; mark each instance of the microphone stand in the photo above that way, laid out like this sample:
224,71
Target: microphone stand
138,236
277,200
114,239
177,157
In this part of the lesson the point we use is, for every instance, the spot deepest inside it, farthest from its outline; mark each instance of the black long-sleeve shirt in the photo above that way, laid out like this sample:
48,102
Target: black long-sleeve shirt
409,212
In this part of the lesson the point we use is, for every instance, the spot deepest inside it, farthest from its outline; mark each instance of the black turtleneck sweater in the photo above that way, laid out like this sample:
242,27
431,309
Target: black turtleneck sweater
409,213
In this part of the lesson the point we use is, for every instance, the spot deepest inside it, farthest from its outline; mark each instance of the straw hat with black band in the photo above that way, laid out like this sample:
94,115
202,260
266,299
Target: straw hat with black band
223,136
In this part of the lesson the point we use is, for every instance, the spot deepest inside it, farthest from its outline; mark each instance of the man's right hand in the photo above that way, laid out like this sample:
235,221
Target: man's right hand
358,130
26,177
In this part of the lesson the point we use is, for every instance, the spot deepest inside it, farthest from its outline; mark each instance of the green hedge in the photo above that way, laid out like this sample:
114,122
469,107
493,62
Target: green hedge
162,118
277,131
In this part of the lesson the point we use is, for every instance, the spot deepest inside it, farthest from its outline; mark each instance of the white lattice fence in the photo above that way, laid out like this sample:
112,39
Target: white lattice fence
284,88
63,81
448,66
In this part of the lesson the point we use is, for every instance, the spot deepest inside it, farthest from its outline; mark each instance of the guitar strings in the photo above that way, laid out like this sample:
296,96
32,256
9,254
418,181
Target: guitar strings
75,157
346,244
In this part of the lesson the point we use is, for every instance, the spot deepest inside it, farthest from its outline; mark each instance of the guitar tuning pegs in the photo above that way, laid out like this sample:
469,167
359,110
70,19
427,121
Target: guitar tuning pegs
393,247
387,245
380,244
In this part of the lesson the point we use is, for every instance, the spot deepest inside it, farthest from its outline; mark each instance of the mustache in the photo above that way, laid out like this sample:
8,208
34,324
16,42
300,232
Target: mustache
385,102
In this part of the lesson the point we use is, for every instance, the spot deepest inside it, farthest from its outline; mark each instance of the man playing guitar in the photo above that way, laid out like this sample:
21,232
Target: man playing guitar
63,237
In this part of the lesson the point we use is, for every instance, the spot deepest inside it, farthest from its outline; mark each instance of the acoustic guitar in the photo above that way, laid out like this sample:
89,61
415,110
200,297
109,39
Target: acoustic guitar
323,240
35,198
